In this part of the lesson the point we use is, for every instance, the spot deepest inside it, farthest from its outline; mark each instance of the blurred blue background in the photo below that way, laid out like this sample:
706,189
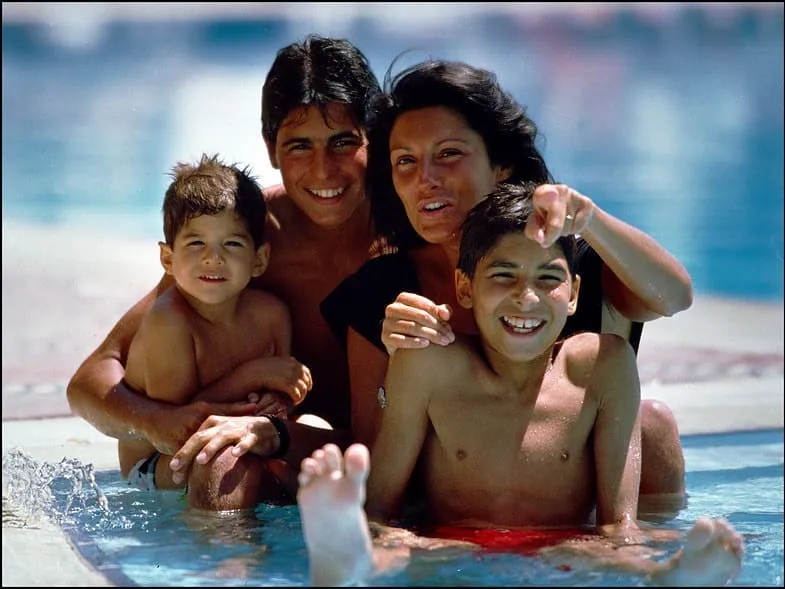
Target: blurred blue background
669,115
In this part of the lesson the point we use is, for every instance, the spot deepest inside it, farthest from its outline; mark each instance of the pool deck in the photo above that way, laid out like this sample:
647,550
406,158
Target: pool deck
718,365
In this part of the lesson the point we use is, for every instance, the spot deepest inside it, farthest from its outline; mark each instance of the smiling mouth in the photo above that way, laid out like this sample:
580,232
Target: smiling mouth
327,194
522,326
434,206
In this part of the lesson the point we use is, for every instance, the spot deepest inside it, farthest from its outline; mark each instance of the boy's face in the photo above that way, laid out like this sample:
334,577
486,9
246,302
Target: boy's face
322,166
521,296
213,257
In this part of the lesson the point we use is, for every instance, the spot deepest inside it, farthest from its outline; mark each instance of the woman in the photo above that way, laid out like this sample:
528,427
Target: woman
446,133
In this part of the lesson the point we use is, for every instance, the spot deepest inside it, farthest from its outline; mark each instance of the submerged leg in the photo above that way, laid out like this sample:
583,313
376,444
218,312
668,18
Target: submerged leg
662,487
229,483
331,499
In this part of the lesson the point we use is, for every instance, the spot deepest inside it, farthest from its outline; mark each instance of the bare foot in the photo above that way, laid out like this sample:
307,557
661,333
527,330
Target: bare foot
331,498
711,556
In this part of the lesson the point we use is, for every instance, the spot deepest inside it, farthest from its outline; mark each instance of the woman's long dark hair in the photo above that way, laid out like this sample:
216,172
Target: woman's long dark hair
474,94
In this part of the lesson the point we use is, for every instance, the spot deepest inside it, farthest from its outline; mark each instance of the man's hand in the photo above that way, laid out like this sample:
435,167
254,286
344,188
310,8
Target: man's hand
176,423
245,433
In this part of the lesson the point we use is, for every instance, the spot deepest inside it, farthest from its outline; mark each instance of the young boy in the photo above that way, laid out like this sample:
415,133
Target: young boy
208,323
513,429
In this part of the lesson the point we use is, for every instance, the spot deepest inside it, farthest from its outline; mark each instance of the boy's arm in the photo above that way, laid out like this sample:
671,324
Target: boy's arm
279,372
617,443
168,356
404,426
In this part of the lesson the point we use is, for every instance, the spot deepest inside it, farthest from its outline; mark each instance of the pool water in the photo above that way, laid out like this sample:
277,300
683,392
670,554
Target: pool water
152,539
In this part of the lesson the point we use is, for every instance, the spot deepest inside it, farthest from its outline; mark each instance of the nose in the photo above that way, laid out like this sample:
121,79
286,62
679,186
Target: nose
429,174
322,164
213,255
526,295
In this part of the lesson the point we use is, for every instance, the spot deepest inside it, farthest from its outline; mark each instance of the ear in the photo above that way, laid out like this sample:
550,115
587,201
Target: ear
262,259
576,287
463,289
271,154
166,256
502,174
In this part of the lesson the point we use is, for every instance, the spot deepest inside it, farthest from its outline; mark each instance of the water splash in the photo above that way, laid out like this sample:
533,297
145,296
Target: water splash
33,490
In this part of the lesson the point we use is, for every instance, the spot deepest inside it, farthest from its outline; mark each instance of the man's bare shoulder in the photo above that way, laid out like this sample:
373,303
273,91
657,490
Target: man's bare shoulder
265,300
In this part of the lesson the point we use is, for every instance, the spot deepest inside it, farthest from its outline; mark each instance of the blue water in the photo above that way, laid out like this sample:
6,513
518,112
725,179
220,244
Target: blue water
152,539
675,126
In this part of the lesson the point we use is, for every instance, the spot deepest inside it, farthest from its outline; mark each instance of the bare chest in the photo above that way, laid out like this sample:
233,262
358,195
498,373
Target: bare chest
513,464
219,350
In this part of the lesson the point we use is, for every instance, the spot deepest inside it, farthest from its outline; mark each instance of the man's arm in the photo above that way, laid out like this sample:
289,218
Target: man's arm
404,426
93,393
617,443
97,394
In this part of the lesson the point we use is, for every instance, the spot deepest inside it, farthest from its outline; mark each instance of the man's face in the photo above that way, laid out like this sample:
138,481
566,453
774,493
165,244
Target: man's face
322,163
521,296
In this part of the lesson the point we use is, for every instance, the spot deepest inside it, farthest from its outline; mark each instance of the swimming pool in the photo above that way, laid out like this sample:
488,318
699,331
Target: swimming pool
150,539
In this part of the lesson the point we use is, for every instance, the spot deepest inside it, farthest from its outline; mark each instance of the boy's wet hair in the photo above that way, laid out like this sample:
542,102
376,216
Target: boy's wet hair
472,93
208,188
504,211
318,71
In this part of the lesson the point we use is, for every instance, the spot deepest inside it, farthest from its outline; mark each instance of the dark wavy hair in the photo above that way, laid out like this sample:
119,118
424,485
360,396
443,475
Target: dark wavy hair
208,188
316,72
474,94
504,211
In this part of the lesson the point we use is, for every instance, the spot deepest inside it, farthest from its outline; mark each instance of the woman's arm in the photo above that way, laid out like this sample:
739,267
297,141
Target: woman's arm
645,281
367,369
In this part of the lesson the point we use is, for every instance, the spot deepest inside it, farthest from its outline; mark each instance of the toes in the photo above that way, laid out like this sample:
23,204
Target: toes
358,462
333,459
700,534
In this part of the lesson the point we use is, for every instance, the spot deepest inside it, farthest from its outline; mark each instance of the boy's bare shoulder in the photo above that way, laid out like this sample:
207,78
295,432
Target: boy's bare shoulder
439,363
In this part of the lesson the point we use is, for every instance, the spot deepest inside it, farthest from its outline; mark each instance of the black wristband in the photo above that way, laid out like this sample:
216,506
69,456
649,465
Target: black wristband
283,436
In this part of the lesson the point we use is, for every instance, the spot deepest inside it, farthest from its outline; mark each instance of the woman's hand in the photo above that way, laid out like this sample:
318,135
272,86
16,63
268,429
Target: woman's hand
558,210
255,434
413,321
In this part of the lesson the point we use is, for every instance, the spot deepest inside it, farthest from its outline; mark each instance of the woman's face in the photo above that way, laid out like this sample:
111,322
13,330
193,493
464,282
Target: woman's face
440,170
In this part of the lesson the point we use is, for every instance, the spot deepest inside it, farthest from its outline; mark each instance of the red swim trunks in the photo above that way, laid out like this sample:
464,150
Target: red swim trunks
525,542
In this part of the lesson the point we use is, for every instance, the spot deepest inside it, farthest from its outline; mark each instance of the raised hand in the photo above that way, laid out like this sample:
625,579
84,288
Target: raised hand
558,210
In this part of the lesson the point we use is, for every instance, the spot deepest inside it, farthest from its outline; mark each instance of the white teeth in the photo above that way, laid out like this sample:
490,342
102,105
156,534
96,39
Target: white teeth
434,206
212,277
328,193
522,325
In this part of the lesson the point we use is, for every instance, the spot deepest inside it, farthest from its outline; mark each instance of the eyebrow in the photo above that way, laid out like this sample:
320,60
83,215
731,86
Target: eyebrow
331,139
548,266
447,140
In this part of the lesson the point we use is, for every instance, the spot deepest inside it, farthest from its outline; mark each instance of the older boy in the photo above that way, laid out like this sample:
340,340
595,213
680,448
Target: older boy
513,429
209,323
